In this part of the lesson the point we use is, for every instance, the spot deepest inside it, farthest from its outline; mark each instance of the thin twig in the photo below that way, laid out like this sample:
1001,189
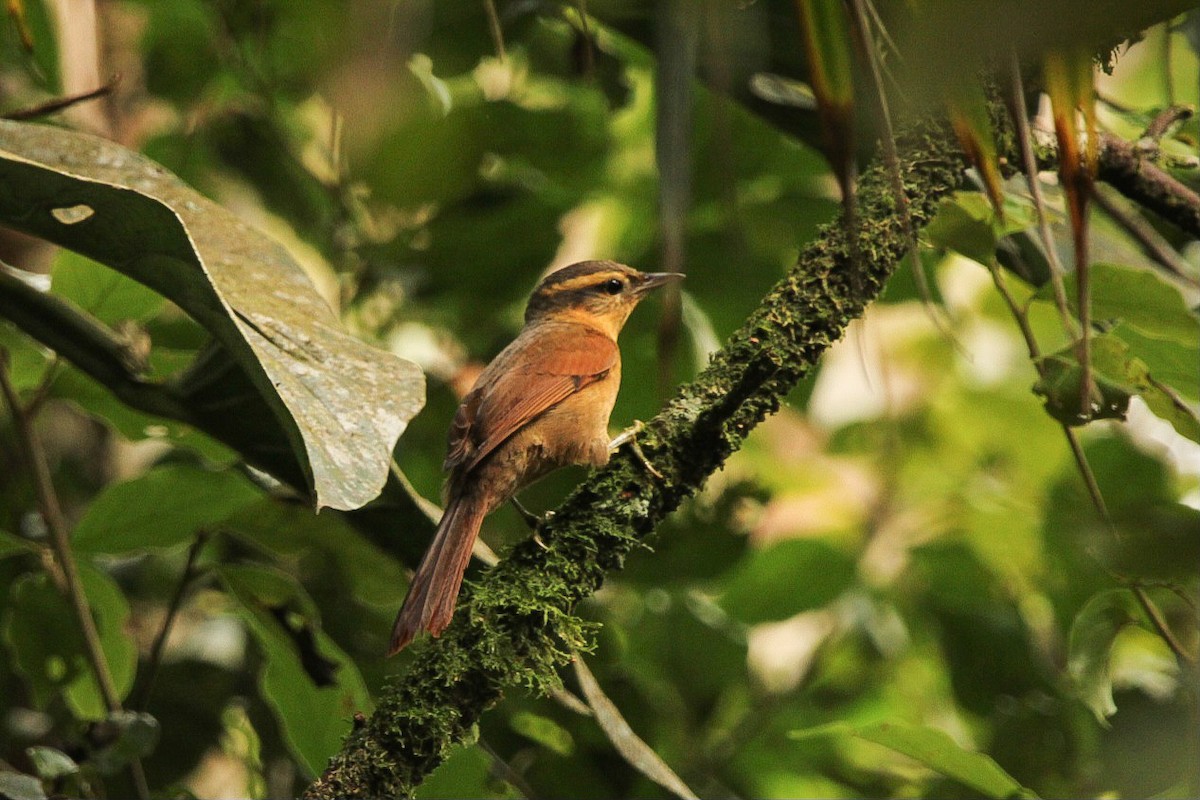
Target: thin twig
56,524
589,55
1083,302
432,512
1035,353
61,103
892,159
1025,141
883,31
1139,592
1156,246
156,650
494,28
42,392
1089,480
64,560
1163,121
507,772
1156,619
1176,399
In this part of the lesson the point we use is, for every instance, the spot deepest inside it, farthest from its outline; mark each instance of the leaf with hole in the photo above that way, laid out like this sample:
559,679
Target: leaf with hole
47,646
282,619
340,403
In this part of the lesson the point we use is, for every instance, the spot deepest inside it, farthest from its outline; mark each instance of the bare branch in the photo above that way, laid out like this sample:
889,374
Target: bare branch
61,103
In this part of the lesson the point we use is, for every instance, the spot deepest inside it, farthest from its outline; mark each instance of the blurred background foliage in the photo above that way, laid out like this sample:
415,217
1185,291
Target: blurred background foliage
909,540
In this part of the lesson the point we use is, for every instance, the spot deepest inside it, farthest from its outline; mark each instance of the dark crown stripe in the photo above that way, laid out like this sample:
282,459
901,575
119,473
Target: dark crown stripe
590,270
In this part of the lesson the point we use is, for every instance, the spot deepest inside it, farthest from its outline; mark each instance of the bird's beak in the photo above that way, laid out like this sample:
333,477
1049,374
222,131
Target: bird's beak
652,280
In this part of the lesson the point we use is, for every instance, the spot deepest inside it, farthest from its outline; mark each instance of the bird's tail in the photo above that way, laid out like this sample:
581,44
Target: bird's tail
434,588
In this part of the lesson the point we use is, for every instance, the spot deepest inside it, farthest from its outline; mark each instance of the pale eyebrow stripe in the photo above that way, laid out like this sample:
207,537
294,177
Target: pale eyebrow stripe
595,279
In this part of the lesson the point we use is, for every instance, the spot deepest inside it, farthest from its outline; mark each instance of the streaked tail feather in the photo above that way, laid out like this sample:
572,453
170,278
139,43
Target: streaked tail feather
434,589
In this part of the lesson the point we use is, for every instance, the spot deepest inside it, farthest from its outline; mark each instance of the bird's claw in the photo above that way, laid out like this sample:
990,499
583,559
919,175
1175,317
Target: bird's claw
534,522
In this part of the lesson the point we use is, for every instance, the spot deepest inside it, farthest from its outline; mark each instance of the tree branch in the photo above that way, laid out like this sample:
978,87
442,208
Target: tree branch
88,344
1140,179
516,626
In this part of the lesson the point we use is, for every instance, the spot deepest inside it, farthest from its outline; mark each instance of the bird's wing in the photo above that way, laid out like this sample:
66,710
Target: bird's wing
497,409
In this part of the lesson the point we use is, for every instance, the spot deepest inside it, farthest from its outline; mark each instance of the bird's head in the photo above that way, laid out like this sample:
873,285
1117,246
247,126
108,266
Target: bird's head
597,293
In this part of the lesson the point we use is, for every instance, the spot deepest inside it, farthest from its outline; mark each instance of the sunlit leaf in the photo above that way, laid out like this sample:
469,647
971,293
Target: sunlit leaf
543,730
342,403
106,294
51,764
1140,299
956,228
15,786
1092,635
934,749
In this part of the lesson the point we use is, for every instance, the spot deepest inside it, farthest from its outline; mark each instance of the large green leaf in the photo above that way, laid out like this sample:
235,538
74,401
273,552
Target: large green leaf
341,403
1151,317
1118,375
935,750
1143,300
290,532
281,618
787,578
160,509
47,647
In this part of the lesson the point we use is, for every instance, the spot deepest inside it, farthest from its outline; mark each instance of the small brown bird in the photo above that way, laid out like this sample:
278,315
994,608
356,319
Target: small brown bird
542,403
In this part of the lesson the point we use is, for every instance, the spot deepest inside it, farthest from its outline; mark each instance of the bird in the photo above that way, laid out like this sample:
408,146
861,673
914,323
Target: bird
542,403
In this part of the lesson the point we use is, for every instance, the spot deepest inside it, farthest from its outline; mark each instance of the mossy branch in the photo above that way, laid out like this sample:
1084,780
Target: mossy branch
516,626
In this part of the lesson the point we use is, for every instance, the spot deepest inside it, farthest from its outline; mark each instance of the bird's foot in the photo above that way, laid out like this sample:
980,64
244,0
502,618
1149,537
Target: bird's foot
629,437
534,521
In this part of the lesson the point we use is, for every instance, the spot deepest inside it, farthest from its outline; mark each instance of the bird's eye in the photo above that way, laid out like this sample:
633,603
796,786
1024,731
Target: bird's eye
613,286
